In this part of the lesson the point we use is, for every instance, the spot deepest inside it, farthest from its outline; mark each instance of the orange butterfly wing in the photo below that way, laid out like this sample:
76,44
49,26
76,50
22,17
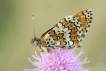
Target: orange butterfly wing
69,31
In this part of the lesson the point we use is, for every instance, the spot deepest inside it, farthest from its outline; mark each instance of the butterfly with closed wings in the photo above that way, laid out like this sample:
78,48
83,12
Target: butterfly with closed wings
70,32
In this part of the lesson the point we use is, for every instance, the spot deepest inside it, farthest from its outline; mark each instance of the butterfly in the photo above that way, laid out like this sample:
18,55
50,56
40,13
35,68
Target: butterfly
70,31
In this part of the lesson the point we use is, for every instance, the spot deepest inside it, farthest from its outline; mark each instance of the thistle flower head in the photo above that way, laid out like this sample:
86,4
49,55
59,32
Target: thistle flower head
58,60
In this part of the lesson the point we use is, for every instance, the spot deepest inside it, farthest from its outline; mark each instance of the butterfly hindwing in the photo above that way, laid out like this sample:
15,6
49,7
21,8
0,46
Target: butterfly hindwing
65,33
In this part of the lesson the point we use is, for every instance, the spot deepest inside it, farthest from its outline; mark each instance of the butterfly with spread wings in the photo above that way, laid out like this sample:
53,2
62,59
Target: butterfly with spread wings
70,31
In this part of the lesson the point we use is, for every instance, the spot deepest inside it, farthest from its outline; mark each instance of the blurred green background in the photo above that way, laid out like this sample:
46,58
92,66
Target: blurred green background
16,29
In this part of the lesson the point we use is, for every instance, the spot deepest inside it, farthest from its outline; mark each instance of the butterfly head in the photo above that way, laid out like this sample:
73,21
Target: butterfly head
35,41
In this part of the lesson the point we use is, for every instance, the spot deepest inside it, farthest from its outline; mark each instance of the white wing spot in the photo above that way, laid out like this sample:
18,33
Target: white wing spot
68,18
70,43
65,29
67,39
60,25
57,43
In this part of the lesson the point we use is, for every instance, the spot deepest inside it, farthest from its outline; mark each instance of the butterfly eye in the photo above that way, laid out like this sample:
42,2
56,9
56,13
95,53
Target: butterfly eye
35,43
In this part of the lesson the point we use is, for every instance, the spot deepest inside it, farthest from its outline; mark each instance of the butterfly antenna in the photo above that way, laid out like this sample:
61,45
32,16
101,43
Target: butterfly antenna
33,17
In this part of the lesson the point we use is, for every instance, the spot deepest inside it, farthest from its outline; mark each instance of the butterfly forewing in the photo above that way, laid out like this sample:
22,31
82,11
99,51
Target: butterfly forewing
85,18
69,31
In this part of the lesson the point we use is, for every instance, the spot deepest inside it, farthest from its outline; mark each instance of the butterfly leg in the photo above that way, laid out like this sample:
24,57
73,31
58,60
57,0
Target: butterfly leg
39,51
50,52
48,49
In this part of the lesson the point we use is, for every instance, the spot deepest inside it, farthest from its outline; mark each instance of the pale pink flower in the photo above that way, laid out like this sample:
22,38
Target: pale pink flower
58,60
